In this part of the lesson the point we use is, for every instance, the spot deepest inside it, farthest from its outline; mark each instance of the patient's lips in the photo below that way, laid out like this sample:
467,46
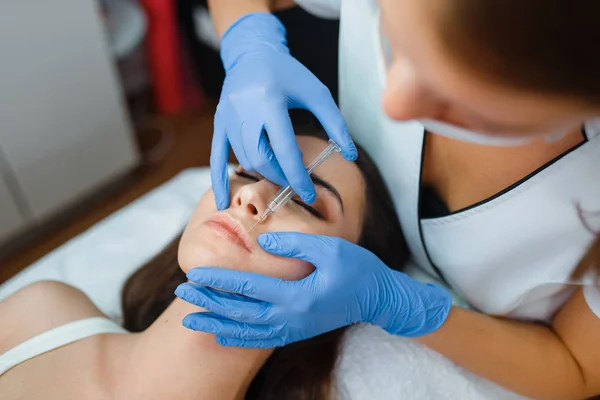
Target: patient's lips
231,230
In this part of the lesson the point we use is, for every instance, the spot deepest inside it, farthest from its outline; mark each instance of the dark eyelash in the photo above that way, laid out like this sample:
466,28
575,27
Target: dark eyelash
245,175
308,208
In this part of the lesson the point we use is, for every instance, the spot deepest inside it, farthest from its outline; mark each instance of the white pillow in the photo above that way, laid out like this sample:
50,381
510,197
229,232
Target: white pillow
100,260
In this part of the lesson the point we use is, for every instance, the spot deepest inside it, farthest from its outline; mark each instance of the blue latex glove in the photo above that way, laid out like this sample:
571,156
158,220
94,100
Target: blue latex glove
262,82
350,285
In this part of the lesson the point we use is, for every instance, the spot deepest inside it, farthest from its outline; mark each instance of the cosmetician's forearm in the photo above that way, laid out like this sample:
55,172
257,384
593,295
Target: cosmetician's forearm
226,12
523,357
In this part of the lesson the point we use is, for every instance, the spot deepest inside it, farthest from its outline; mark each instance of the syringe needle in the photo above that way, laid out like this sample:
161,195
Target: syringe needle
261,219
253,226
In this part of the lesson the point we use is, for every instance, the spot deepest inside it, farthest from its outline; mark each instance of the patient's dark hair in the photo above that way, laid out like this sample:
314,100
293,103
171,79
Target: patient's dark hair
301,370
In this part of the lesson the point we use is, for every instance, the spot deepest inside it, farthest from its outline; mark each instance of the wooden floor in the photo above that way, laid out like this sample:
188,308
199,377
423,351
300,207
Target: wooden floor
192,135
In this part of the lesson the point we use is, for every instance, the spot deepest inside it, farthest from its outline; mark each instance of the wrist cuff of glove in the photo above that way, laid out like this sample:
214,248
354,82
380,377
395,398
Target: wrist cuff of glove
425,314
249,32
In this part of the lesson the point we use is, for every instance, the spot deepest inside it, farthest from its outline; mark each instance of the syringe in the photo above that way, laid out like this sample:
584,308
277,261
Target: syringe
286,193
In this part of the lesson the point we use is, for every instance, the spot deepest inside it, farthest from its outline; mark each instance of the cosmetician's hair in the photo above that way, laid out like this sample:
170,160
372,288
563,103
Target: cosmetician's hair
547,46
301,370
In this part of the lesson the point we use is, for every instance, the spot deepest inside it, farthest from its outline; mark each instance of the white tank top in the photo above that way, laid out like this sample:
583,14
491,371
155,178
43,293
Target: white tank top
55,338
510,255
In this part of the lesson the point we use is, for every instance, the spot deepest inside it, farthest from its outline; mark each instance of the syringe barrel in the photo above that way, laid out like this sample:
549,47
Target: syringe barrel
281,198
331,148
285,194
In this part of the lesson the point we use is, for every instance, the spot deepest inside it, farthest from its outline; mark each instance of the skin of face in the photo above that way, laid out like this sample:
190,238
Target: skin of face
203,243
424,82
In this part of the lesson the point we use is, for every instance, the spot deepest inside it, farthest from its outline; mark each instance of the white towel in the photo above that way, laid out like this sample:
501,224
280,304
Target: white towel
375,365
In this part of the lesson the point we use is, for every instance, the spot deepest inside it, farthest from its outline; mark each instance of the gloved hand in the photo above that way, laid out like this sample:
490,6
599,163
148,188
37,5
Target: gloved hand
350,285
262,82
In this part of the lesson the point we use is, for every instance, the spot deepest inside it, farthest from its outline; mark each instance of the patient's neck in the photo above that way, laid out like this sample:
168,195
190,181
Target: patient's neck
180,363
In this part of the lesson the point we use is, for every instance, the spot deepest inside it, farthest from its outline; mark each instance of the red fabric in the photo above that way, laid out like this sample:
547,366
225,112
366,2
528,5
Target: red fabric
164,55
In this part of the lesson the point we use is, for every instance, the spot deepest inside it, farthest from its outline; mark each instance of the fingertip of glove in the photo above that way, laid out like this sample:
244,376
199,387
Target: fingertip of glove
180,291
350,153
194,274
221,196
265,240
188,322
308,196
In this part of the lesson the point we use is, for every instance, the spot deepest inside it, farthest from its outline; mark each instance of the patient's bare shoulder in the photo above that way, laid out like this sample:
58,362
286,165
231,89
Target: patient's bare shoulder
40,307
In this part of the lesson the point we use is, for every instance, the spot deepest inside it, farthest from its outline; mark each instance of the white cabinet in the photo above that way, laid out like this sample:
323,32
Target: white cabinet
63,126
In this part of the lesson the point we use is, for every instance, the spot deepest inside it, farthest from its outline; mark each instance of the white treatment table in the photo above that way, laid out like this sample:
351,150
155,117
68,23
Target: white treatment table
373,364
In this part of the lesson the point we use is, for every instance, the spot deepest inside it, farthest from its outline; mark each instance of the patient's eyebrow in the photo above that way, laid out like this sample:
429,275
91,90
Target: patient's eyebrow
327,186
315,178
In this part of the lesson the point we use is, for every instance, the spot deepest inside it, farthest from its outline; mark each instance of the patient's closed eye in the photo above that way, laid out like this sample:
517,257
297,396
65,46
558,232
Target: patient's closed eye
243,174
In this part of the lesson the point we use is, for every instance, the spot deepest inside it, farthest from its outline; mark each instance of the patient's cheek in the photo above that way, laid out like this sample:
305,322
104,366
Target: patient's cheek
206,205
189,258
289,269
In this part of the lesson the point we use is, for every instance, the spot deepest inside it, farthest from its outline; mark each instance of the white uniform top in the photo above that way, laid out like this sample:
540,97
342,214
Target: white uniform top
328,9
509,255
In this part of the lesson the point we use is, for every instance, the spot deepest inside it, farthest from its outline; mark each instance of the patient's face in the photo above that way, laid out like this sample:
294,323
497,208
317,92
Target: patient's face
221,239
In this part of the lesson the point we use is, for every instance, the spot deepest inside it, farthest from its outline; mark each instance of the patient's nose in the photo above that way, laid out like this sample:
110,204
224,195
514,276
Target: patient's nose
252,199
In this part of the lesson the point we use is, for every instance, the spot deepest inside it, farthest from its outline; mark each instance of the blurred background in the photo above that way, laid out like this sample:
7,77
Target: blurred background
104,100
